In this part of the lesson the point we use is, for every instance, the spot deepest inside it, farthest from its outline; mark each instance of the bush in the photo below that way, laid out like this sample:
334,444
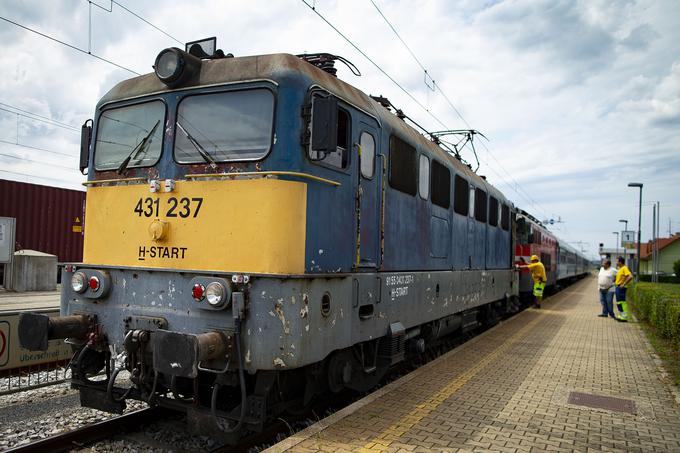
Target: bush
662,278
659,305
676,270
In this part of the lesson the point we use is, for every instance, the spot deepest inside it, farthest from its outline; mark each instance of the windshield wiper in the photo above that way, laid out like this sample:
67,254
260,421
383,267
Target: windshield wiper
137,149
204,154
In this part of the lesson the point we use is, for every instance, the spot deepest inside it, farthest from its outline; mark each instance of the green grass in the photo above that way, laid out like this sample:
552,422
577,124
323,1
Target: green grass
669,355
657,306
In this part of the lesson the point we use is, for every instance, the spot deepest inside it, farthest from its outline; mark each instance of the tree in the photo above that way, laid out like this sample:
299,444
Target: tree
676,270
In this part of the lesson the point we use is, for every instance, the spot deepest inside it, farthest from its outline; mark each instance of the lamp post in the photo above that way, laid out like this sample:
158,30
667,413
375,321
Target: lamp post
625,228
617,242
639,235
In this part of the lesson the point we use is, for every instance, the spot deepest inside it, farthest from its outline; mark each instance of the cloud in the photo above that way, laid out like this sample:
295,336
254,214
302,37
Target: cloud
640,38
577,97
558,32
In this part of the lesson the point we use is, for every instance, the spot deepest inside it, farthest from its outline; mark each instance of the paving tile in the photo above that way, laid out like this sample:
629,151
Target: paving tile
507,390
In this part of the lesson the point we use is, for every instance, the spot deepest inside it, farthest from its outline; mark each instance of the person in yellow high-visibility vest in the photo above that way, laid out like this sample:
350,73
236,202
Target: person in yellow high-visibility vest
623,278
538,274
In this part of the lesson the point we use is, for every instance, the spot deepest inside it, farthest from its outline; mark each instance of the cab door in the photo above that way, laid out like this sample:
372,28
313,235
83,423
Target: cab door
369,196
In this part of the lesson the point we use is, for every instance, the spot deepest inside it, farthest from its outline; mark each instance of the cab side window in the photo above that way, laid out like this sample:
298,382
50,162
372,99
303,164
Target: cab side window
330,132
367,143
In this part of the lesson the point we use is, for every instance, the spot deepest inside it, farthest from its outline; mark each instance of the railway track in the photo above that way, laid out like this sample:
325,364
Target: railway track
90,434
132,426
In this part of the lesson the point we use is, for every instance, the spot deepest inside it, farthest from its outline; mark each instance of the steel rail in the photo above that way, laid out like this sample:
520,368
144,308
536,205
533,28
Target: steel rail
91,433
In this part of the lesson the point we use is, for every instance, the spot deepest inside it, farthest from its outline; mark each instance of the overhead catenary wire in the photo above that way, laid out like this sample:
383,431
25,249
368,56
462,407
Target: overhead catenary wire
377,66
516,188
71,46
26,159
36,117
36,176
38,149
138,16
438,88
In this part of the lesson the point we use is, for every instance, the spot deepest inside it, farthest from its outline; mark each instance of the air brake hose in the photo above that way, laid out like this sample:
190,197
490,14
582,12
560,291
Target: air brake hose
109,387
242,382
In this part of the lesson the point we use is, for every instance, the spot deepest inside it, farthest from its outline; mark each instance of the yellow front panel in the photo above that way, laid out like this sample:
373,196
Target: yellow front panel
250,226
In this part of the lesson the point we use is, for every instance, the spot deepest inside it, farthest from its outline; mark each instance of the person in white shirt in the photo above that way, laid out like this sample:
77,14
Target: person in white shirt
605,284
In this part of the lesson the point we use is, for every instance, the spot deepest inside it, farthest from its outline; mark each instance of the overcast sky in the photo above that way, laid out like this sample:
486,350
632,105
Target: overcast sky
576,98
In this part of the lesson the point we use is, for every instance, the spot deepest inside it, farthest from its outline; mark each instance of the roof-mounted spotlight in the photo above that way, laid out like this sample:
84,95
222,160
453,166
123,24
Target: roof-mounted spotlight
175,67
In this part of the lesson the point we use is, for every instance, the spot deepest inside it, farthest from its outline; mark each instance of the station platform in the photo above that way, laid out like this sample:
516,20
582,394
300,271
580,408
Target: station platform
555,379
11,302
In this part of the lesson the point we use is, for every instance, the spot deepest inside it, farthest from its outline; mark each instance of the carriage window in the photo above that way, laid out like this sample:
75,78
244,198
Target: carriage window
493,211
441,185
472,202
133,132
505,217
403,176
480,205
424,177
460,195
219,127
367,155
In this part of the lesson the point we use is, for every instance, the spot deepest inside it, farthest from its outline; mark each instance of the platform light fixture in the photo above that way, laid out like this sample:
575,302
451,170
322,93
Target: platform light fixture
617,242
625,228
639,235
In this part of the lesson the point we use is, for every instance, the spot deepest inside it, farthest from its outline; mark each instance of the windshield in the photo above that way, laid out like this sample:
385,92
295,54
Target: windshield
224,126
121,133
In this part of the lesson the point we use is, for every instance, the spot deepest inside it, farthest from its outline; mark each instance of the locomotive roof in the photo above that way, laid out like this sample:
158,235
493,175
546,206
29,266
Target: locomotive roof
280,66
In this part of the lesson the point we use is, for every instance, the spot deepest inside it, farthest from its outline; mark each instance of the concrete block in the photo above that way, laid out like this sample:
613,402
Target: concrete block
31,270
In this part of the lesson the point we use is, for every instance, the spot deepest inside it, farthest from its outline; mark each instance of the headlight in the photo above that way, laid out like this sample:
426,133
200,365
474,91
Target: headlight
78,281
174,66
215,294
169,65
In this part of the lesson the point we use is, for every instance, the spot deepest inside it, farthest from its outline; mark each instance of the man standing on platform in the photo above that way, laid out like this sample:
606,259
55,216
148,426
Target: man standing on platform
605,284
538,274
623,277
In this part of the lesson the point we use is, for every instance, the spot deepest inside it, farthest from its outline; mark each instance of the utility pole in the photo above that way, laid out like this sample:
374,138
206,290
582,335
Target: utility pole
658,222
639,232
617,242
625,228
653,244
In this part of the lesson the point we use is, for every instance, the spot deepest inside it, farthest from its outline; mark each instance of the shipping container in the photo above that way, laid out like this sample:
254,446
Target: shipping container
49,219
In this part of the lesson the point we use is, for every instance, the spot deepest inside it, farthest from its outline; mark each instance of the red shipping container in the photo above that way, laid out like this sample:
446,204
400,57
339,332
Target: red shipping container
49,219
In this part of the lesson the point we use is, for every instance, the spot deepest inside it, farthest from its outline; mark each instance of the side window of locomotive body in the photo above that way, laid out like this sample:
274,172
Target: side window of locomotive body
337,157
522,231
493,211
367,143
228,126
480,205
461,199
505,217
472,202
441,185
135,131
424,177
403,159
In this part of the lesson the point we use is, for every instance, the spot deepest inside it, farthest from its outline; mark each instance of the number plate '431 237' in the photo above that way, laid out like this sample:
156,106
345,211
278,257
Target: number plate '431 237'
172,207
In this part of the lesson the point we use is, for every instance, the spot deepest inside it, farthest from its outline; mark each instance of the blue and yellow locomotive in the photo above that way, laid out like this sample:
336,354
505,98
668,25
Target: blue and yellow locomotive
259,232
